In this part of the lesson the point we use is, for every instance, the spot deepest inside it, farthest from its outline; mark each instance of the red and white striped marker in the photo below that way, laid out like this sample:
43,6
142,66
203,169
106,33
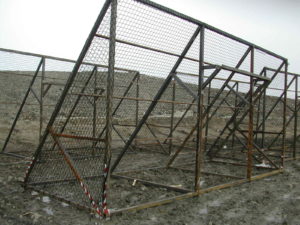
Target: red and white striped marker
28,167
91,199
104,196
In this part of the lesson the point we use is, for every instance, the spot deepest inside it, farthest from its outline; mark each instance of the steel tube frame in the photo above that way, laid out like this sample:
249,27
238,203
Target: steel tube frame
157,97
199,146
208,108
295,119
22,104
203,116
257,93
68,85
251,120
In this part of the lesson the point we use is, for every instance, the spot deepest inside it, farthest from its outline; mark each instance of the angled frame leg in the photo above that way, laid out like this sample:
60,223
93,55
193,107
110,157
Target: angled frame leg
22,105
68,86
156,98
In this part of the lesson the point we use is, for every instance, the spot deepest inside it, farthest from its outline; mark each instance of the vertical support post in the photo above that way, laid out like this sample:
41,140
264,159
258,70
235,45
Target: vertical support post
137,95
284,114
295,118
172,117
257,119
234,122
95,110
109,103
264,115
42,98
250,122
199,147
207,121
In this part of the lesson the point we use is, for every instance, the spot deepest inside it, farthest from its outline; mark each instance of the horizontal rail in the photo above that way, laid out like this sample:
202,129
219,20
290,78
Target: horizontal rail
200,23
289,73
215,78
244,72
78,137
193,194
61,59
149,183
146,47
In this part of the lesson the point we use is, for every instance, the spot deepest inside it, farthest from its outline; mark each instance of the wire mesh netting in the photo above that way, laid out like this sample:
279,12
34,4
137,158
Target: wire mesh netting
160,113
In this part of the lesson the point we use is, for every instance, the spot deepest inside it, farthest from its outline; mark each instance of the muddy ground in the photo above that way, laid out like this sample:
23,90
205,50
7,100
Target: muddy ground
273,200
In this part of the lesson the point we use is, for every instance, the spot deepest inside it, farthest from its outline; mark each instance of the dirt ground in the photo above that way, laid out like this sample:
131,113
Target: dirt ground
273,200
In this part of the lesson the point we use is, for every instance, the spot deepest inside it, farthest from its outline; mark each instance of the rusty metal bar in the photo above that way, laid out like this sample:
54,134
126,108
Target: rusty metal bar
199,145
74,170
207,173
244,72
207,26
208,108
207,123
287,123
22,105
258,92
284,114
156,138
150,183
77,137
147,48
135,78
109,105
76,102
295,119
193,194
42,99
157,97
68,84
137,108
182,84
251,120
264,96
235,105
215,78
172,117
275,104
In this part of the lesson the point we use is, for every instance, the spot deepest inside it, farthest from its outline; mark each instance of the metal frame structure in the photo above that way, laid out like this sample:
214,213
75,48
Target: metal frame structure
88,154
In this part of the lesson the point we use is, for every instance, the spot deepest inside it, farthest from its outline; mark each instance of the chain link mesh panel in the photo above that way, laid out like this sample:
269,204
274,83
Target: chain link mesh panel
154,62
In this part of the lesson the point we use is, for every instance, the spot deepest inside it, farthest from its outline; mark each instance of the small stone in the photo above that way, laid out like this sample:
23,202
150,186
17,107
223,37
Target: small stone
34,193
153,218
49,211
20,179
9,178
64,204
203,211
45,199
143,188
35,216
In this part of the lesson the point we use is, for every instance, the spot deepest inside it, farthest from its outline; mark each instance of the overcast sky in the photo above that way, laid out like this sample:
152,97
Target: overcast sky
60,27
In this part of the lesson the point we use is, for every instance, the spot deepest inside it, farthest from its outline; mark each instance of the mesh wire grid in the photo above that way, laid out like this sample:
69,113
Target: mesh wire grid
148,44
